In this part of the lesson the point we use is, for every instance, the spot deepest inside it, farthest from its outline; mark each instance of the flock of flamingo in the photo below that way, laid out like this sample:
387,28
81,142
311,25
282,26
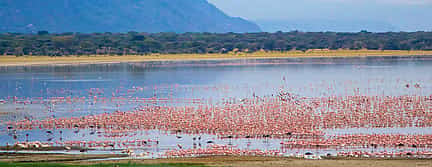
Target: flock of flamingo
299,123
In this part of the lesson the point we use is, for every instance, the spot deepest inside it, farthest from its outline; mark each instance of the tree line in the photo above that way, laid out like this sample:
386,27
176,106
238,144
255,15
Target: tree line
136,43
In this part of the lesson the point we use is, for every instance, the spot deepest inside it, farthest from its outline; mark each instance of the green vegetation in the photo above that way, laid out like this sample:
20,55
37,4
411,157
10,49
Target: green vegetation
134,43
4,164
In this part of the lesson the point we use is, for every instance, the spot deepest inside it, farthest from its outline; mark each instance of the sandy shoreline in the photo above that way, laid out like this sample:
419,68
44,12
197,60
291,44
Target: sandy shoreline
243,161
6,61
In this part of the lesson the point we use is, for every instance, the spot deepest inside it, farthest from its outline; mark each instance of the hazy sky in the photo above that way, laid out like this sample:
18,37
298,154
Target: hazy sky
401,14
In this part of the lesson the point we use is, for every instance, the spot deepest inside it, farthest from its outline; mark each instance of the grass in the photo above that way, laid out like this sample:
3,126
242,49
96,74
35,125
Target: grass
237,161
4,164
95,59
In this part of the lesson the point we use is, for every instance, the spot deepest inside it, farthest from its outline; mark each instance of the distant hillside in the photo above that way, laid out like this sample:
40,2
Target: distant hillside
117,16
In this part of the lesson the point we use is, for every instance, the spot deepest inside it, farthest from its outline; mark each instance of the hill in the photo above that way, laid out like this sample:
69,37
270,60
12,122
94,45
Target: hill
58,16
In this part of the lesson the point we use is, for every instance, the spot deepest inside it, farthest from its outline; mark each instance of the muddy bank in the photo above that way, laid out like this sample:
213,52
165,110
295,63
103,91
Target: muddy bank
52,157
249,161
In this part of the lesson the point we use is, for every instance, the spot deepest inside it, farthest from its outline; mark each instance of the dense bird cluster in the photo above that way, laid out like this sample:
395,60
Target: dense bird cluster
221,150
302,121
134,43
373,125
362,141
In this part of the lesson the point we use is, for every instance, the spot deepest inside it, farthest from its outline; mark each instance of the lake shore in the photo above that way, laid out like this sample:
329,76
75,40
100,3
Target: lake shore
107,59
236,161
248,161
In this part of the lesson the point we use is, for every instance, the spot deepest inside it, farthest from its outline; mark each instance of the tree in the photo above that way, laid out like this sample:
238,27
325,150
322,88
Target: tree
44,43
42,32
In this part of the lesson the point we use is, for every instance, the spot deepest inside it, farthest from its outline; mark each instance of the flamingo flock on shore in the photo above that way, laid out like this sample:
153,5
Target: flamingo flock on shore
363,141
259,118
215,150
109,144
301,122
224,150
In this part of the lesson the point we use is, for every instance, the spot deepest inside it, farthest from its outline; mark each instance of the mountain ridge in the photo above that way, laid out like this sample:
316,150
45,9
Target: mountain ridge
118,16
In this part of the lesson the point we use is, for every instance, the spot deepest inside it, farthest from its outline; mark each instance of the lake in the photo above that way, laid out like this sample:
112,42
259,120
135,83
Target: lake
79,91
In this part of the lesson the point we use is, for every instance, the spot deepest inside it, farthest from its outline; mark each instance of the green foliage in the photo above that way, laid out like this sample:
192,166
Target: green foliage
135,43
43,33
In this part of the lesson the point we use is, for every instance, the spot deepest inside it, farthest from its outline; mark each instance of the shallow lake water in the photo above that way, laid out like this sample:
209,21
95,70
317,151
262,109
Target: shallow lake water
40,92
